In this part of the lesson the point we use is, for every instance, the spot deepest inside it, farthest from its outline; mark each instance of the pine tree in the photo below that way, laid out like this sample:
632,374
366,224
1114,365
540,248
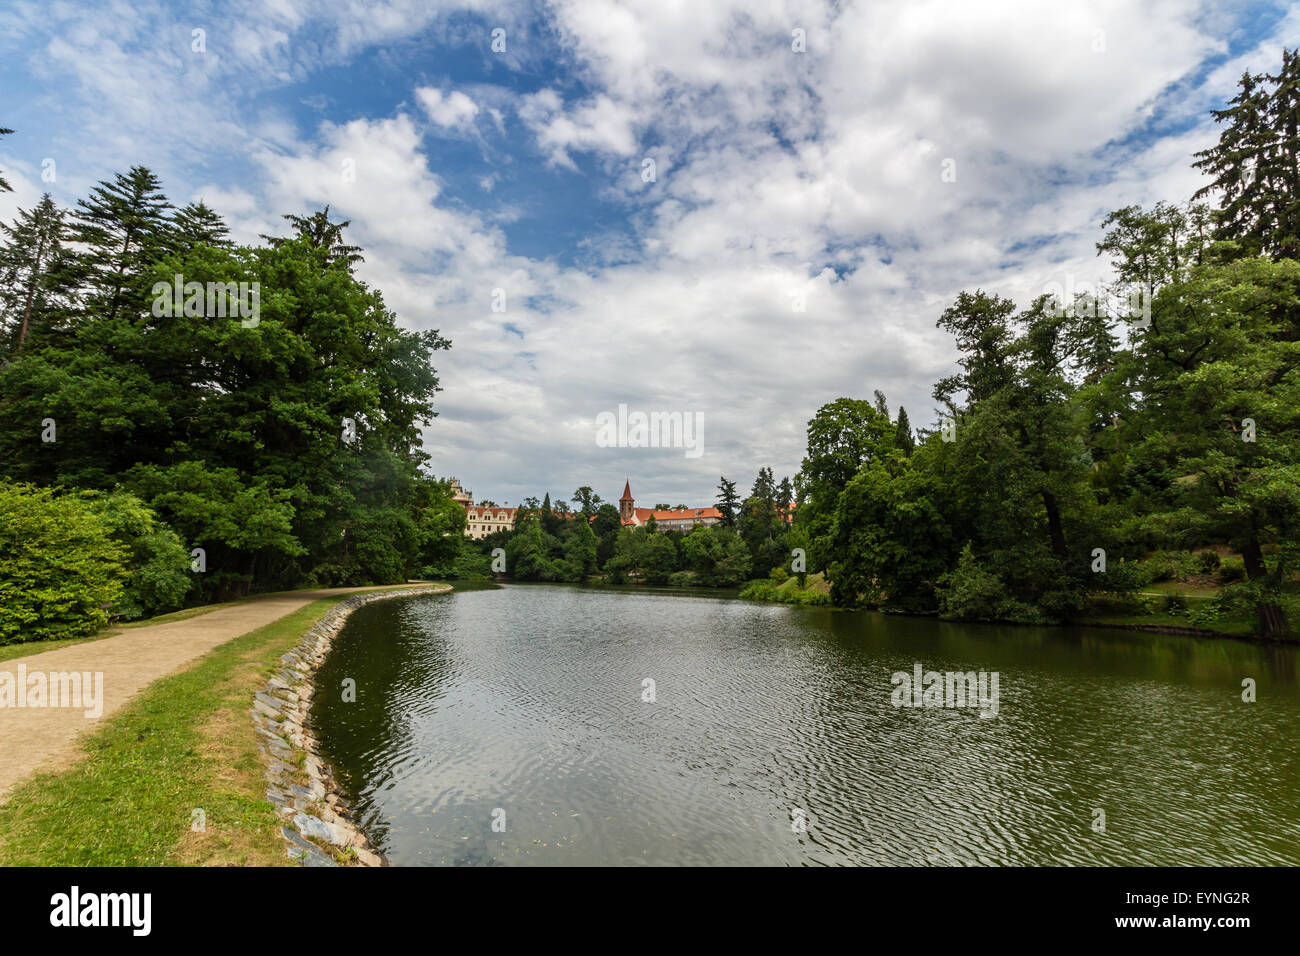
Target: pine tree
784,495
4,183
32,266
764,485
320,233
1243,164
903,439
1284,120
125,226
198,225
728,501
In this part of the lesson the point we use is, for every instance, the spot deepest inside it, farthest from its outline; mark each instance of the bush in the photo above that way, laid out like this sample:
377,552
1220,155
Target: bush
763,589
1175,604
779,574
971,593
1232,569
681,579
158,563
1207,562
1122,577
60,568
1170,565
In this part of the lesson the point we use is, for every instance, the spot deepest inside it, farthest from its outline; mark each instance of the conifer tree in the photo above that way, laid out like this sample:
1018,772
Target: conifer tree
4,184
903,439
198,225
33,263
124,225
320,233
728,501
1245,167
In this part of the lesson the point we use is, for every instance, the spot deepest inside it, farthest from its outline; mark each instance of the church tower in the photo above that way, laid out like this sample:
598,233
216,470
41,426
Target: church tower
625,510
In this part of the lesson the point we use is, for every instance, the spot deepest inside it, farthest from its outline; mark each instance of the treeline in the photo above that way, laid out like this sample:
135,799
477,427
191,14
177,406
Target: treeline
1076,438
192,455
586,542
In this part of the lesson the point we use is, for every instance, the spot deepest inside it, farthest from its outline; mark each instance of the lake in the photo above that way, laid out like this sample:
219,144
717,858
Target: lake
514,726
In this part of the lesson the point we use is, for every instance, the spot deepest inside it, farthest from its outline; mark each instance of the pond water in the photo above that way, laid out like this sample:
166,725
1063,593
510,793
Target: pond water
514,726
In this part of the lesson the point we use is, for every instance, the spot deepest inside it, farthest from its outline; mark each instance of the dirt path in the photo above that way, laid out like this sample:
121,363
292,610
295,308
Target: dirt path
43,738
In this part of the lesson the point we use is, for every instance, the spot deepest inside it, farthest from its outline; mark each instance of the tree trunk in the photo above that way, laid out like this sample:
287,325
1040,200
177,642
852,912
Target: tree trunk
1273,623
1054,525
31,291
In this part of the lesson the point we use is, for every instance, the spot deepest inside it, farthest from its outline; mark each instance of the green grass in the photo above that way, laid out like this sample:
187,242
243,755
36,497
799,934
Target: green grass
816,591
186,742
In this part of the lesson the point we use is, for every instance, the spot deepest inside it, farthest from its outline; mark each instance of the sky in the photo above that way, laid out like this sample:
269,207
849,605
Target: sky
735,211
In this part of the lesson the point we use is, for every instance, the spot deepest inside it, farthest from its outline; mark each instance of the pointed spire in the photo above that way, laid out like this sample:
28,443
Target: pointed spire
627,491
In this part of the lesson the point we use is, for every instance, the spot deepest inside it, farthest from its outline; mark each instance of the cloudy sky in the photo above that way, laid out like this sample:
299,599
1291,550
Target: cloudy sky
907,151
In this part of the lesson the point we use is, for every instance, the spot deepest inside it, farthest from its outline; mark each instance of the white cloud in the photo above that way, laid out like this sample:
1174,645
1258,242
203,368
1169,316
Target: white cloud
772,167
453,109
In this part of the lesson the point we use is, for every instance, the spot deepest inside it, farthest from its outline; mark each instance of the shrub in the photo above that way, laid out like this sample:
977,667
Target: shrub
681,579
1231,569
60,568
1207,562
1121,577
779,574
1175,604
1170,565
969,592
158,563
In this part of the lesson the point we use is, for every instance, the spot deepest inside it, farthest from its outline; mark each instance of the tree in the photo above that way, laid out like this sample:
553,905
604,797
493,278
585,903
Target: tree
198,225
1221,409
319,233
784,494
891,541
33,265
587,501
4,183
843,436
903,438
658,558
123,227
1254,163
728,501
580,550
288,448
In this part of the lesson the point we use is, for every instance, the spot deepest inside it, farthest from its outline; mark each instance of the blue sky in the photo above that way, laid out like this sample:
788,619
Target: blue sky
780,177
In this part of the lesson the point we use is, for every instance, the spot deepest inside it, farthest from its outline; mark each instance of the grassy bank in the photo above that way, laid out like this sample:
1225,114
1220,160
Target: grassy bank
185,744
1172,606
816,590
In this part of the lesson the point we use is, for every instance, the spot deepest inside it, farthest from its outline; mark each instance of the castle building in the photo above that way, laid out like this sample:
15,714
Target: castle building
672,519
483,519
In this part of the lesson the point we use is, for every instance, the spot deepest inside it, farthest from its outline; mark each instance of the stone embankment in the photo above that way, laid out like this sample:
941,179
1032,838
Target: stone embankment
316,823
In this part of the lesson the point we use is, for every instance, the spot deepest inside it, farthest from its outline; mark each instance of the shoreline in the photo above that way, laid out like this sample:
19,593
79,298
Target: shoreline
315,820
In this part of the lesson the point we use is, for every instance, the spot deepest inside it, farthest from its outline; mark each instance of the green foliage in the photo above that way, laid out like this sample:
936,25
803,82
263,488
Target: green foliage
61,569
789,591
233,429
971,592
158,564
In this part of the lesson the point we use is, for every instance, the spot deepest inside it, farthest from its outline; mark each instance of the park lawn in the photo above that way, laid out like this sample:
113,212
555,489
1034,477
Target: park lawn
186,743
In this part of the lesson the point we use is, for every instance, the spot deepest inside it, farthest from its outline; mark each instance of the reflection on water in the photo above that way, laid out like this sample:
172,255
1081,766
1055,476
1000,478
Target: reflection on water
528,700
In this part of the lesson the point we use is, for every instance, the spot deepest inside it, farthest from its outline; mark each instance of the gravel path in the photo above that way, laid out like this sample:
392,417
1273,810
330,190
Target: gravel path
46,738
